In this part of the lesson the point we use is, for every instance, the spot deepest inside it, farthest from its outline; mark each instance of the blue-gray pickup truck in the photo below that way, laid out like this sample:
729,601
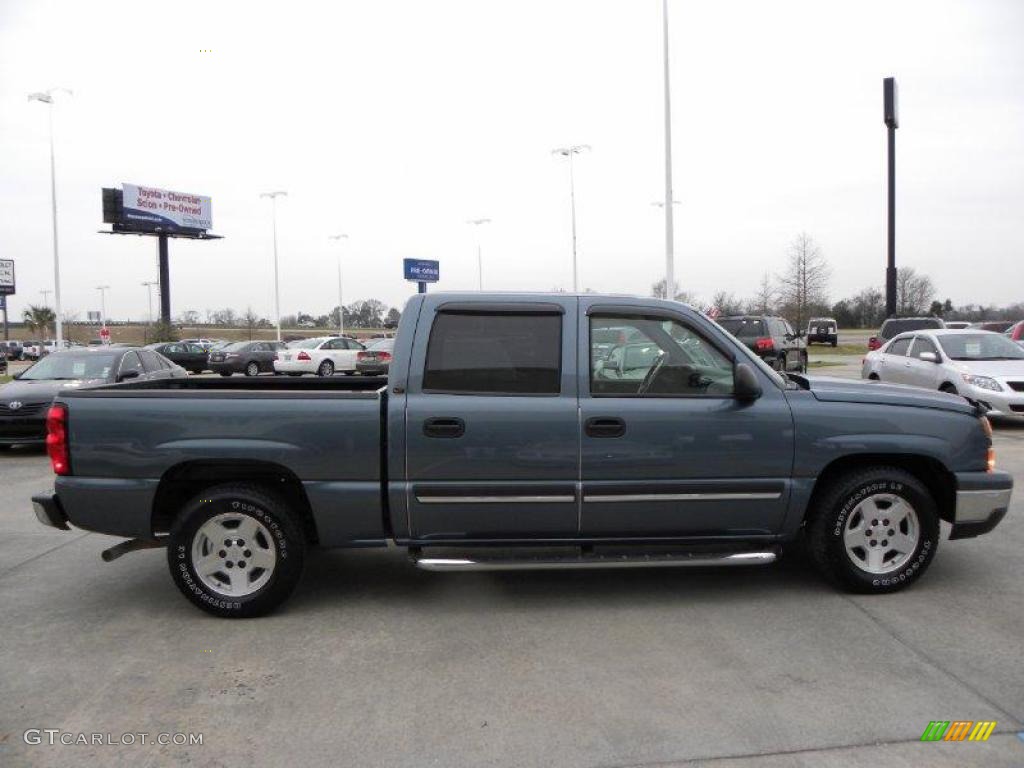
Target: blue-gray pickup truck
525,431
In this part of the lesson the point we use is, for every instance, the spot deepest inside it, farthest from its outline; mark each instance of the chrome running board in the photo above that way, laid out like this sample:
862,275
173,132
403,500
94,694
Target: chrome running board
483,563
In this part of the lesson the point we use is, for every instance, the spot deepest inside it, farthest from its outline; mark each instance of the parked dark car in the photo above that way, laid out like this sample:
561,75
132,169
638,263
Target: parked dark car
823,330
248,357
996,326
14,350
3,359
770,338
190,356
376,358
23,402
894,326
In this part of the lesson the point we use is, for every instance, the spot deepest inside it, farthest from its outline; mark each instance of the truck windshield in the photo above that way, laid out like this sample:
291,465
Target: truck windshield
72,365
980,346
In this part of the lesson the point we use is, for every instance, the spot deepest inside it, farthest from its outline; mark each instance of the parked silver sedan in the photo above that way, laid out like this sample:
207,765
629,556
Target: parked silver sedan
981,365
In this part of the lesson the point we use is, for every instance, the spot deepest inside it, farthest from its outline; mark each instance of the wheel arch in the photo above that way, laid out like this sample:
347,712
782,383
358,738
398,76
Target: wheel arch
183,481
931,472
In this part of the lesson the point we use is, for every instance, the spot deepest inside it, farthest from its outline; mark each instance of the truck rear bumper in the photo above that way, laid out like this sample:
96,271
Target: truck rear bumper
982,500
49,512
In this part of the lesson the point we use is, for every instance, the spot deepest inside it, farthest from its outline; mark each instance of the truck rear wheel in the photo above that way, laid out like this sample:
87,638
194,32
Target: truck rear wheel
874,530
235,551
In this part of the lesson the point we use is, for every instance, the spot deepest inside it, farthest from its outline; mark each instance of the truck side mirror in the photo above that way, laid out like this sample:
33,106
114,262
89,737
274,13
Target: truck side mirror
745,383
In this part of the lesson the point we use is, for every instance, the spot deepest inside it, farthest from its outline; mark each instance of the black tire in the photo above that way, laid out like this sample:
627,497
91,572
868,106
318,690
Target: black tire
833,511
226,373
803,362
949,388
287,543
252,368
325,369
197,371
834,343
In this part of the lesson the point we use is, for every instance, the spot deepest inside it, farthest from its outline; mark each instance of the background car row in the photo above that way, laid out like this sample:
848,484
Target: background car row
25,400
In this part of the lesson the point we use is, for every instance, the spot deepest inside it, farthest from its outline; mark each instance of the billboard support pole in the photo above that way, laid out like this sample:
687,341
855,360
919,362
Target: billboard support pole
7,333
165,282
422,287
891,119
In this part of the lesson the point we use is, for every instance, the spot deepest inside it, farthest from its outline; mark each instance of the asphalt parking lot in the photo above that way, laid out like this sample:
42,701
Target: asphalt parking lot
375,663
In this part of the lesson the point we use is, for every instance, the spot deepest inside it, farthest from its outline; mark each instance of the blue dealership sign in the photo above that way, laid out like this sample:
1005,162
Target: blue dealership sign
422,270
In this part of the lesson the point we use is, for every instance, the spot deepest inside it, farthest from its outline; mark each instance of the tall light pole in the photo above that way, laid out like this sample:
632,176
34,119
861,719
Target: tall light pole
103,303
890,110
670,256
568,152
341,305
46,97
149,299
479,253
277,289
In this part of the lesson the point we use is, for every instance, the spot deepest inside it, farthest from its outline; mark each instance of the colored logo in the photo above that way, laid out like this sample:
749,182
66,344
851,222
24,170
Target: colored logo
958,730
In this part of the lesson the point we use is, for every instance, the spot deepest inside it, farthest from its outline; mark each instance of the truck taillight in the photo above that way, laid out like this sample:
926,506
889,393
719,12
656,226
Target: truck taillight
990,453
303,356
57,439
765,344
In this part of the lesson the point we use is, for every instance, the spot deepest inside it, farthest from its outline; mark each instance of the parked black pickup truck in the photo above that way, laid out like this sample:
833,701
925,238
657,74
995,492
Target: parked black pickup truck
508,424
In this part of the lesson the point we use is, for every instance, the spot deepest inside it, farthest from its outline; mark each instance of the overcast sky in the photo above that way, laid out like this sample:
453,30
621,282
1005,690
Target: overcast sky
394,122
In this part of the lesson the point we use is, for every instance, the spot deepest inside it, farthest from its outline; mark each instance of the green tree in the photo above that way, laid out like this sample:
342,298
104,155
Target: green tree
39,318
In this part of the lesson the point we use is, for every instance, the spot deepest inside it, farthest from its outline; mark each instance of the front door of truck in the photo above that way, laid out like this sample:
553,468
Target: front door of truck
491,432
667,449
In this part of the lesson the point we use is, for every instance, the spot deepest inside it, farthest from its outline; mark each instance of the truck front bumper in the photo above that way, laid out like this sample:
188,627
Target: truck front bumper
49,511
982,500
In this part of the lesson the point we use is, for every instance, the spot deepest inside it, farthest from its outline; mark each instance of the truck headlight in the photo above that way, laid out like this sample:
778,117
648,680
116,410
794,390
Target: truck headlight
983,382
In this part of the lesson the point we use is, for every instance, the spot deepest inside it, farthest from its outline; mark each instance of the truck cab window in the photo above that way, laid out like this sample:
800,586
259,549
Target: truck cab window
654,357
485,353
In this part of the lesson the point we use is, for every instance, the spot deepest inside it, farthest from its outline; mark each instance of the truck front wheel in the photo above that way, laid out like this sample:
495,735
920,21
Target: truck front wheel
235,551
874,530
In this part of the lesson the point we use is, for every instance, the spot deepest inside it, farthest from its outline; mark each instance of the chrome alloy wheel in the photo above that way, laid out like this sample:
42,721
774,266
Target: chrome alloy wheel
233,554
881,533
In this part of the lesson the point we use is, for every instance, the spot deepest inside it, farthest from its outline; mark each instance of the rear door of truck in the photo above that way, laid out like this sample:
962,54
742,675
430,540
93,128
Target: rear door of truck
492,438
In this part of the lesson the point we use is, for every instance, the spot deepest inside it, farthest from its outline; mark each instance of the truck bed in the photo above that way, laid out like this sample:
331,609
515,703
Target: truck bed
131,442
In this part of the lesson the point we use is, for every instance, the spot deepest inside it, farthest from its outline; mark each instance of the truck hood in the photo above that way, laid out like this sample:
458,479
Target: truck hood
828,389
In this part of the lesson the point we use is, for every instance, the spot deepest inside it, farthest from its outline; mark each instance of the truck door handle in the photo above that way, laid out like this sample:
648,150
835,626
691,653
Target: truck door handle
605,426
444,427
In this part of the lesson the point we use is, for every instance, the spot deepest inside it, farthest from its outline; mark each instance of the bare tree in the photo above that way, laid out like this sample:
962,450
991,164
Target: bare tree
658,291
805,282
763,302
914,292
726,303
250,320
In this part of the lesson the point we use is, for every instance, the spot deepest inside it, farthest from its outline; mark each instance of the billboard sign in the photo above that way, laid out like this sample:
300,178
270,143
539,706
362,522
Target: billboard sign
7,285
422,270
150,208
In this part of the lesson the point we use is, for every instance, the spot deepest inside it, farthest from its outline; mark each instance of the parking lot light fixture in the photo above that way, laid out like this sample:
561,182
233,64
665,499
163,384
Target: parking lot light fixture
479,254
102,304
46,97
341,305
568,153
277,285
148,284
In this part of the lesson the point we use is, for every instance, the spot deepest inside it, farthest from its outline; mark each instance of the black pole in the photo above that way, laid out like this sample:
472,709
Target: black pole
422,287
892,123
165,282
890,271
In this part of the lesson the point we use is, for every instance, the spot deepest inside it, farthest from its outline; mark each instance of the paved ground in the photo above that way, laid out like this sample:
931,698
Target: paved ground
374,663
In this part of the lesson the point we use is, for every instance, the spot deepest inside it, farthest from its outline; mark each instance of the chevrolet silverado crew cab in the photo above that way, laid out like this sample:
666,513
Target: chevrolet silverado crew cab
510,433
